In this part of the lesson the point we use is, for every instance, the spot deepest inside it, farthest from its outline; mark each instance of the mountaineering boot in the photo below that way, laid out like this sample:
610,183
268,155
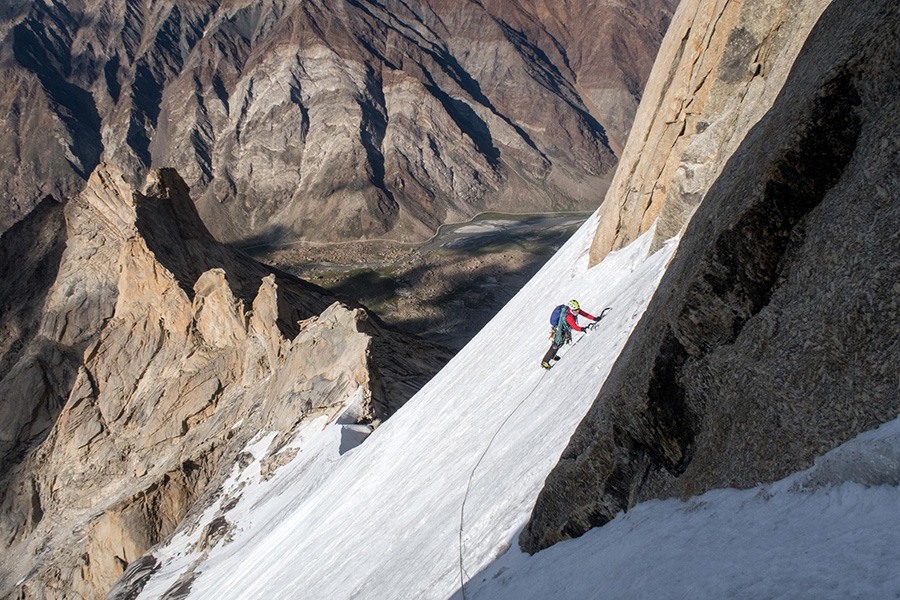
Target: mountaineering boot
545,364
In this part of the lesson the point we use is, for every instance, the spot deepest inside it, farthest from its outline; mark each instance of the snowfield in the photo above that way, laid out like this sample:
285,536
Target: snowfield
431,503
814,535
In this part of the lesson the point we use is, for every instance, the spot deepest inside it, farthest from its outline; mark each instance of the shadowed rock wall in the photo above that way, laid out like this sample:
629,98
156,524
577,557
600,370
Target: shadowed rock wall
773,336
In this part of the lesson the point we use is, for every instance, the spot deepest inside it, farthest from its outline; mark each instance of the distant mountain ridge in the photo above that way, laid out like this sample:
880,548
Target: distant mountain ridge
325,120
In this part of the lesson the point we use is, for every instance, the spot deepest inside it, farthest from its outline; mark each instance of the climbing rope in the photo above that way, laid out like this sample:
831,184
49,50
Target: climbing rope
462,510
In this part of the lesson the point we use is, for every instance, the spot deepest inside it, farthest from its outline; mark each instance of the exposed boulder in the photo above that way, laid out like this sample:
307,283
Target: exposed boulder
773,336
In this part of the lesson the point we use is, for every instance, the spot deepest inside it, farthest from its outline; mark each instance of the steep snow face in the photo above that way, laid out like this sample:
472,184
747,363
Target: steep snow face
441,489
431,503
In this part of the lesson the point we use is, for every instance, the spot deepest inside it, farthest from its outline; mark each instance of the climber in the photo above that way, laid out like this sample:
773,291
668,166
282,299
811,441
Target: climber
564,319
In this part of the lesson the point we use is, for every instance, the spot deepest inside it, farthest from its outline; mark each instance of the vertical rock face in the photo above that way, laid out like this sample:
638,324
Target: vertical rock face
157,355
773,336
325,120
719,72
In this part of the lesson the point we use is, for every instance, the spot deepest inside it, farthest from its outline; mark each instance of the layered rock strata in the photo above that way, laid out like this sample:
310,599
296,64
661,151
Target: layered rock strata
773,336
158,355
325,120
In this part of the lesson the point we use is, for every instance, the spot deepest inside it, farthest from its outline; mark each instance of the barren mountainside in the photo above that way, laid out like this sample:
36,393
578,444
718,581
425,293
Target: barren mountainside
139,353
325,120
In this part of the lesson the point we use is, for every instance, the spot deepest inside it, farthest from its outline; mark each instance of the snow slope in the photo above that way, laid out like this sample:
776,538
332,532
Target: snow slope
831,532
437,495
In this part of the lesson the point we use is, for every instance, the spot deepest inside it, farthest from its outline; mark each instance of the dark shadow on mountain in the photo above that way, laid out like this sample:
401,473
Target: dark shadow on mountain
551,78
30,254
39,50
30,257
469,121
58,366
372,132
111,76
147,100
261,243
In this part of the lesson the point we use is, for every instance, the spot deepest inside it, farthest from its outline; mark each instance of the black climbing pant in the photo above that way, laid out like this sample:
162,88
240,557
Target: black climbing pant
551,353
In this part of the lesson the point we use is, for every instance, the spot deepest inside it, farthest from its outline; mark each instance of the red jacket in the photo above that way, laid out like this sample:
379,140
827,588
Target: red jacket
572,321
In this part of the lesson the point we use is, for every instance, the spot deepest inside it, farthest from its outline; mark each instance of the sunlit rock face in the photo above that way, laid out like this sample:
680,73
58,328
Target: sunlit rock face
149,355
717,75
773,335
325,120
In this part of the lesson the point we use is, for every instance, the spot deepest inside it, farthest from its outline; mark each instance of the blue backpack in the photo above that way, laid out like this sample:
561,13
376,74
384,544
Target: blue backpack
556,314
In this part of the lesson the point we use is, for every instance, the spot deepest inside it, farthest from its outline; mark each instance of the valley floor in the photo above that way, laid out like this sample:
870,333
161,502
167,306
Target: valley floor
446,289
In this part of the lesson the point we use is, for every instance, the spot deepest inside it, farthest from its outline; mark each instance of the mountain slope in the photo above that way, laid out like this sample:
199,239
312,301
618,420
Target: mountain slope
829,532
387,515
325,120
424,509
769,338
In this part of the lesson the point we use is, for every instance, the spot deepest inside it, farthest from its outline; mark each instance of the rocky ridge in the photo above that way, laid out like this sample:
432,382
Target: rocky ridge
325,120
159,354
773,335
717,76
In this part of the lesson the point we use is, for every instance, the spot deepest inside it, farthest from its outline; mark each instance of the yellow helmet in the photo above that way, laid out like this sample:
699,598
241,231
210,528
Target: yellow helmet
573,304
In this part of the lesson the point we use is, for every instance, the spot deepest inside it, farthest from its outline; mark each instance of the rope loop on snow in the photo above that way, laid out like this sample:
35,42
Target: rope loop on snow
462,510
